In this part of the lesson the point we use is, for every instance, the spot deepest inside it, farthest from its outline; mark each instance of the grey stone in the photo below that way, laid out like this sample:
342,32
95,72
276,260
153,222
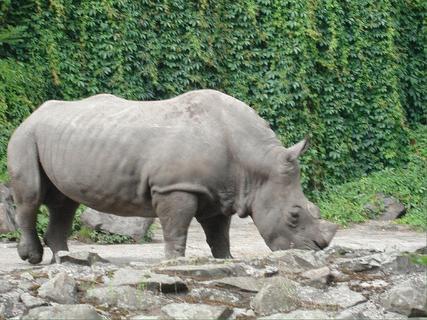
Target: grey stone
148,280
248,284
206,271
367,311
319,277
296,260
298,314
5,286
7,210
27,276
240,313
286,295
213,295
31,301
408,297
402,264
422,250
64,312
195,311
279,296
83,258
61,288
12,305
124,297
385,208
364,263
339,297
368,287
135,227
144,317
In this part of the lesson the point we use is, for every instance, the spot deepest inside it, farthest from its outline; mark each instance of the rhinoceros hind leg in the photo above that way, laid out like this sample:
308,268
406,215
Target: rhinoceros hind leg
61,214
217,235
29,247
175,211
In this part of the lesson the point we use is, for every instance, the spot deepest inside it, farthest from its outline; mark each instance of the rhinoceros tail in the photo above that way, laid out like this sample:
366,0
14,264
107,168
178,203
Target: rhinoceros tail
24,169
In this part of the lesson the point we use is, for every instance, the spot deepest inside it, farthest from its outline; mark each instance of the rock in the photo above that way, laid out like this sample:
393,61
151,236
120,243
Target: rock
320,277
83,258
366,311
5,286
7,210
298,314
65,312
26,285
27,276
390,262
125,297
385,208
11,305
402,264
264,272
278,296
247,284
61,288
195,311
31,301
128,276
422,250
216,296
285,295
361,264
296,260
337,298
206,271
408,297
144,317
148,280
239,313
135,227
367,287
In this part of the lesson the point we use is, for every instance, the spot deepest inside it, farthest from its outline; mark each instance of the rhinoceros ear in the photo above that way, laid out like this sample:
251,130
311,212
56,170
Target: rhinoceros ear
292,153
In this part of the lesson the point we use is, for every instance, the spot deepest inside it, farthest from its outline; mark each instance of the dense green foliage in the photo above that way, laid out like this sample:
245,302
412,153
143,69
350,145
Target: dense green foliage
352,74
345,203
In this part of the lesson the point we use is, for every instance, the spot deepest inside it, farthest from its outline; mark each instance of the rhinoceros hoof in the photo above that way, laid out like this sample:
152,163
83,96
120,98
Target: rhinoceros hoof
31,251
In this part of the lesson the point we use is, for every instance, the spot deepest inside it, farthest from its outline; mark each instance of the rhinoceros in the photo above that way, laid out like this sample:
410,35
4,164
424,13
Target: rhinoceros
202,154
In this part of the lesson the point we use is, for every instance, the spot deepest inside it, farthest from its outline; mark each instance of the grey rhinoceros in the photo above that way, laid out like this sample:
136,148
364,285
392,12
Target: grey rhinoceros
202,154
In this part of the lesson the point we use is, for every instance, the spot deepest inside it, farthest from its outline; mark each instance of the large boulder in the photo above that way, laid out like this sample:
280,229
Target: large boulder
61,289
135,227
408,297
7,210
385,208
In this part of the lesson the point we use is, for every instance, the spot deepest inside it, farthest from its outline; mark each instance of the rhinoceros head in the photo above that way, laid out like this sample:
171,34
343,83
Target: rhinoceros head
283,215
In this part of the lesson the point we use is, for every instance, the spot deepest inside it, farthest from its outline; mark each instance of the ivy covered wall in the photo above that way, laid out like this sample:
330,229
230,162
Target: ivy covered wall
351,74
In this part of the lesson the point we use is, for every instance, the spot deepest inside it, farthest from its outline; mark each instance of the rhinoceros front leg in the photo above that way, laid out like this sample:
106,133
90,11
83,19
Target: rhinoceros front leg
175,211
217,235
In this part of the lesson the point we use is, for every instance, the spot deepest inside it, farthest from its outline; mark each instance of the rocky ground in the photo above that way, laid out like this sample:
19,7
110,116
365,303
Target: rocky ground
366,274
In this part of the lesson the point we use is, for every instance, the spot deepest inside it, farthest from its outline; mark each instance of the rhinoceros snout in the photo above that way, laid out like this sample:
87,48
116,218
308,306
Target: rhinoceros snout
327,232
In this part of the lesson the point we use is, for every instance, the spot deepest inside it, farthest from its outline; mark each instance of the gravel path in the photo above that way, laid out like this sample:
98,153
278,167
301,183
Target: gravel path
245,243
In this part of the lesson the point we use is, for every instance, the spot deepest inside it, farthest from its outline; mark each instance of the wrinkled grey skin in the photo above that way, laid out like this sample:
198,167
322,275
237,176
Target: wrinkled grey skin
203,154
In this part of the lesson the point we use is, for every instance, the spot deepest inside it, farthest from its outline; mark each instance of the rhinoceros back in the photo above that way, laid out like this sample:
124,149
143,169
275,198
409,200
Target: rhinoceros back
110,153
